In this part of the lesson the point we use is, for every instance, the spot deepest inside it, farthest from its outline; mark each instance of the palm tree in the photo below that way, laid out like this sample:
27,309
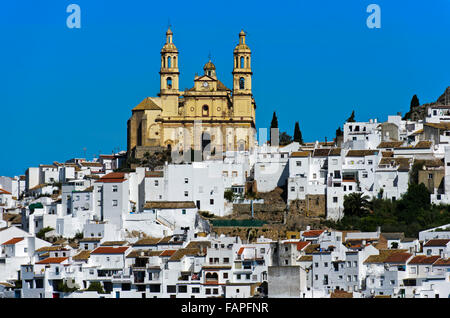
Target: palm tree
356,204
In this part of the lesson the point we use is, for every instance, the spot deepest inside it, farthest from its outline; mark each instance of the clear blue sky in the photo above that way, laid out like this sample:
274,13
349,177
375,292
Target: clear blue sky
314,62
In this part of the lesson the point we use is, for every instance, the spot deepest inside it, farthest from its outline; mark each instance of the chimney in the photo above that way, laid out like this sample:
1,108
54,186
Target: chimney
308,228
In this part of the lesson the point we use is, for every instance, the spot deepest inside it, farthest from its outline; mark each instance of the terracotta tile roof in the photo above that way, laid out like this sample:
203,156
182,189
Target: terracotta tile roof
442,262
165,240
302,245
424,144
52,260
91,239
147,104
321,152
312,233
341,294
335,152
13,241
305,258
147,241
110,250
143,253
312,248
167,253
433,163
199,244
361,153
113,177
437,242
393,235
114,243
423,259
4,191
179,254
398,258
382,257
91,164
441,125
401,163
387,154
82,256
170,205
212,267
154,174
390,144
299,154
51,248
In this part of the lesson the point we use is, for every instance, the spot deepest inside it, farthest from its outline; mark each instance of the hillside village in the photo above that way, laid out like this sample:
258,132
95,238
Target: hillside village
248,223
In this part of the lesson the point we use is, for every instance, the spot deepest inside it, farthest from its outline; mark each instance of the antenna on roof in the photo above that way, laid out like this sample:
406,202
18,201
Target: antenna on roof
168,24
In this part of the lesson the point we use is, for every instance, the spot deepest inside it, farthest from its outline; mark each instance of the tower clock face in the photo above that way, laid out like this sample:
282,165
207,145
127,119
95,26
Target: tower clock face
205,84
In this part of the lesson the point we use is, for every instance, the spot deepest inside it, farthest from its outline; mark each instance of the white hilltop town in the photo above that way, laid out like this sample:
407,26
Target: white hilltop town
257,220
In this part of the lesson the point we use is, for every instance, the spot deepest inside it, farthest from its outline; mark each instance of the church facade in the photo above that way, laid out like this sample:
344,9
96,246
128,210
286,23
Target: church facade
207,117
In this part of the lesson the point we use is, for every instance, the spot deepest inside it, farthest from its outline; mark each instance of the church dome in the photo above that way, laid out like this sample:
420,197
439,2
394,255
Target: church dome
209,66
242,47
169,47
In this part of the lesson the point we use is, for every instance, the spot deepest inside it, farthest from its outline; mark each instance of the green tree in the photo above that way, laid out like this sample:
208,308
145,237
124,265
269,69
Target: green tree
273,124
351,119
414,102
41,233
356,204
96,286
285,139
298,134
414,172
229,195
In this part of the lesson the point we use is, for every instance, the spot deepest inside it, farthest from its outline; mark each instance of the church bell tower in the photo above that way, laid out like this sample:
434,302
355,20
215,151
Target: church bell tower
242,79
169,75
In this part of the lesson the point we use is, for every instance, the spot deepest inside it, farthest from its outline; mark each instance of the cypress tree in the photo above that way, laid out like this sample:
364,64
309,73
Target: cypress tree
414,102
351,119
273,124
298,134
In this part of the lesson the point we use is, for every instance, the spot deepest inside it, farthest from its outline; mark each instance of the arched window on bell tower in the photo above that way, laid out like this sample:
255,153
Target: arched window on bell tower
169,82
169,62
242,62
241,83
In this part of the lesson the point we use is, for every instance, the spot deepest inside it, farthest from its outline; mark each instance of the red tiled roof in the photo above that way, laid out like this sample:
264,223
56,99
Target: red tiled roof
422,259
4,192
398,258
52,260
167,253
113,177
437,242
312,233
110,250
302,245
442,262
13,241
